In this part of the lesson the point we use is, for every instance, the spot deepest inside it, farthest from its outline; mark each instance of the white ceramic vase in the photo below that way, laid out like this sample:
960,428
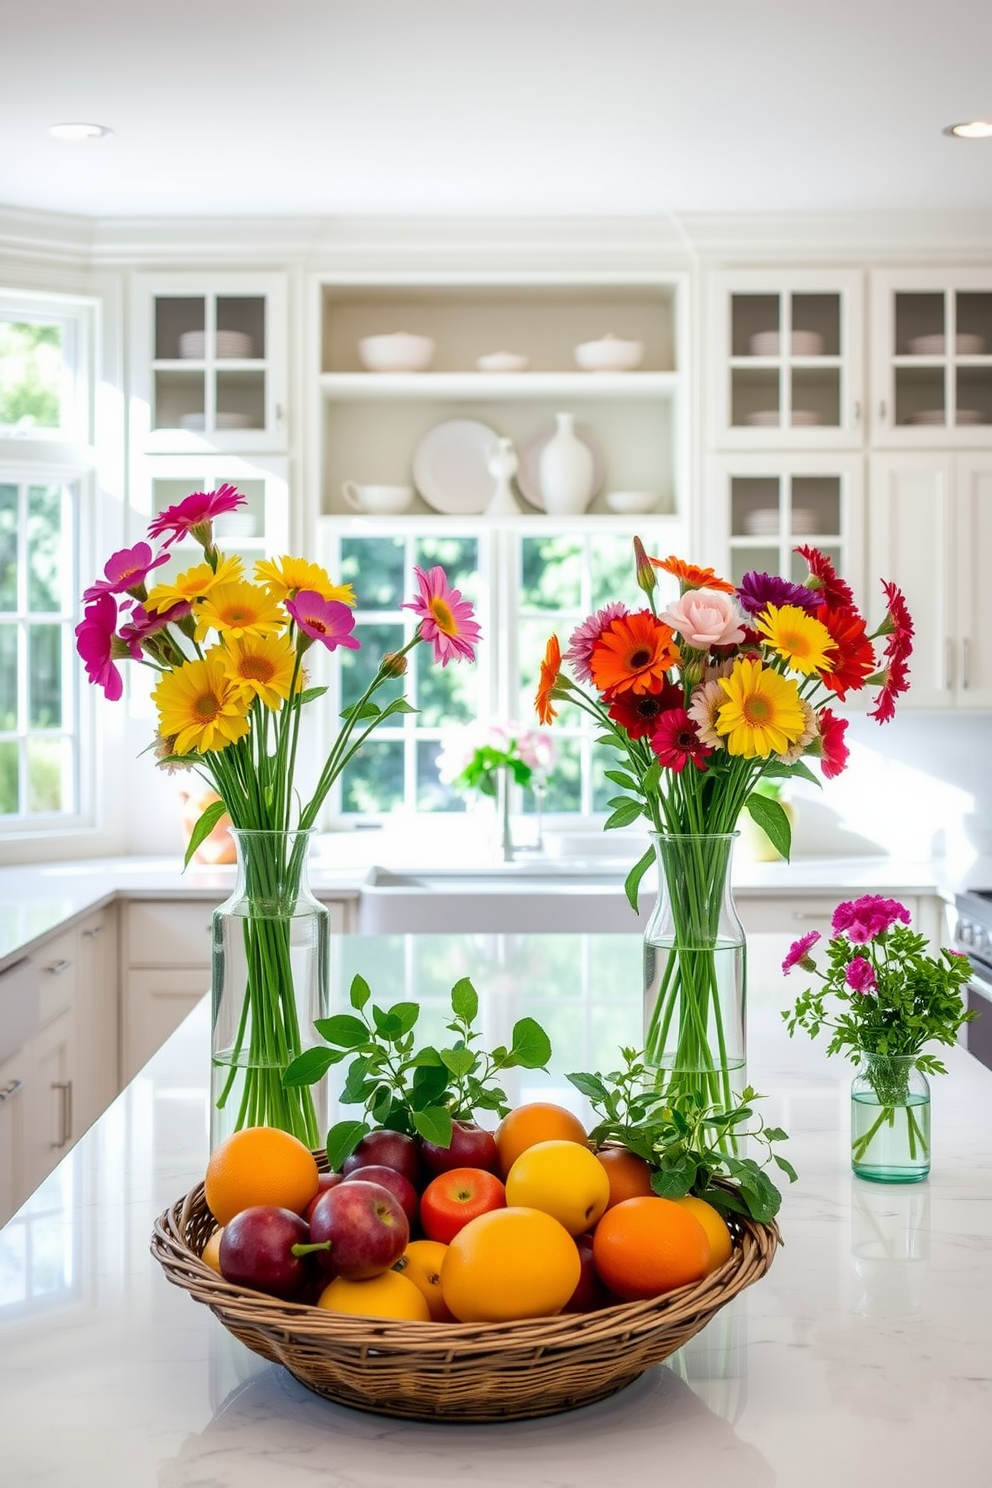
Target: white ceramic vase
565,470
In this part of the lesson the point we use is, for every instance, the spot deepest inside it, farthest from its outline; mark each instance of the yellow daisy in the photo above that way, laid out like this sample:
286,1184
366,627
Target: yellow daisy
239,609
200,708
259,666
194,584
803,640
763,713
284,577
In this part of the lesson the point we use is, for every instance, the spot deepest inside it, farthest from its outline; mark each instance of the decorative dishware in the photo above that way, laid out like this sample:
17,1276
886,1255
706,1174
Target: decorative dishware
609,354
965,344
502,463
803,343
529,453
398,351
565,470
631,502
451,467
502,361
228,345
377,500
767,522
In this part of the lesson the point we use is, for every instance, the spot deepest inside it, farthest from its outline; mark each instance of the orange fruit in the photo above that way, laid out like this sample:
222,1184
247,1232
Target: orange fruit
387,1296
508,1264
210,1255
562,1179
717,1234
539,1121
259,1165
643,1247
421,1264
629,1175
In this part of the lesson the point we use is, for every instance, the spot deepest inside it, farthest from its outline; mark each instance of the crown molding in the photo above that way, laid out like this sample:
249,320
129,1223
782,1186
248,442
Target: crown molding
854,237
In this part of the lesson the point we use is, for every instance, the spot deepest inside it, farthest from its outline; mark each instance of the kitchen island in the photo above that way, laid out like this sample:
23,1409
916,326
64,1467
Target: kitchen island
864,1352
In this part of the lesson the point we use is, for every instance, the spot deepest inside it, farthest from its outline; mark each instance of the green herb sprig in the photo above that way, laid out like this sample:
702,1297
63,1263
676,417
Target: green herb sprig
406,1089
691,1147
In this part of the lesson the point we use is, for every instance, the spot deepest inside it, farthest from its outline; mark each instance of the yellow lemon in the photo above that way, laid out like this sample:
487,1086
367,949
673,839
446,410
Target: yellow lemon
387,1296
715,1226
561,1179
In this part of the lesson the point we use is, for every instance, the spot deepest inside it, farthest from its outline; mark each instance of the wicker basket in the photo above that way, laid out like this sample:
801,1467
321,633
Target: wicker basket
456,1371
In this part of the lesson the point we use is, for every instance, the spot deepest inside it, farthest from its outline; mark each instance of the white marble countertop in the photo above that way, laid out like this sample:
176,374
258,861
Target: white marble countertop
863,1355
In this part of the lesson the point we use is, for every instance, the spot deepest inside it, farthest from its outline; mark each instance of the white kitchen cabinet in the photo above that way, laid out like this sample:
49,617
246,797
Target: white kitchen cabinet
13,1088
209,357
257,529
932,358
51,1125
95,1079
930,530
785,359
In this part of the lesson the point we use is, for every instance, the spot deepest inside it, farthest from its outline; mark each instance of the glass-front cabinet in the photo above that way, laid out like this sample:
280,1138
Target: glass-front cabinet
785,359
257,529
209,362
932,363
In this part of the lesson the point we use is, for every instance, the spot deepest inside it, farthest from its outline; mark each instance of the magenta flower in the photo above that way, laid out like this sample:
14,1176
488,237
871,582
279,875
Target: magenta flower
125,571
95,644
585,636
860,975
676,741
195,513
798,953
758,590
865,918
325,620
143,624
446,620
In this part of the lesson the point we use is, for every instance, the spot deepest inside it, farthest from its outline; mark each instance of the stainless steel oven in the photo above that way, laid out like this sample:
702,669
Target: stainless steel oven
973,936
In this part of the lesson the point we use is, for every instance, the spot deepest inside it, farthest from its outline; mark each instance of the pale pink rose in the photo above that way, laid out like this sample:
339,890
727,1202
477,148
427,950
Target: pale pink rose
703,618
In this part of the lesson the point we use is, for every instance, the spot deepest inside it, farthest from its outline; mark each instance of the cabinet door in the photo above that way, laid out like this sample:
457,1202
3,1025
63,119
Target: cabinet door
255,530
156,1002
50,1124
911,505
95,1080
13,1094
973,545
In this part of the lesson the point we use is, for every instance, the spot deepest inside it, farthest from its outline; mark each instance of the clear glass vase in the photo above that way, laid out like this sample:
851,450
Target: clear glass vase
890,1119
695,970
269,984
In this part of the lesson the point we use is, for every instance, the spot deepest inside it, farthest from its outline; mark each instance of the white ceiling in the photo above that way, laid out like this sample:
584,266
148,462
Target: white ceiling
495,107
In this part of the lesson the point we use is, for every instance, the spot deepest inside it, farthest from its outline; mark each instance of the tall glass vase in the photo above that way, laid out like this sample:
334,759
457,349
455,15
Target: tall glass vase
269,984
890,1119
695,966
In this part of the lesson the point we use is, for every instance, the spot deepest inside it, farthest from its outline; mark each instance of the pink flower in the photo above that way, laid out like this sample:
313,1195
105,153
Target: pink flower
703,618
585,636
446,620
798,953
95,644
860,975
865,918
676,740
195,513
325,620
537,750
143,624
832,749
125,571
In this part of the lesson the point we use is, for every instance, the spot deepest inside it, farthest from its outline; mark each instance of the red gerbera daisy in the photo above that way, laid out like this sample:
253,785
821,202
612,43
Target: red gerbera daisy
854,657
638,713
897,627
676,740
833,751
824,578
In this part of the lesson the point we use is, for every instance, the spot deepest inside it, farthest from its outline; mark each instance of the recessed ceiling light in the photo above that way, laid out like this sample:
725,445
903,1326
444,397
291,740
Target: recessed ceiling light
971,129
79,131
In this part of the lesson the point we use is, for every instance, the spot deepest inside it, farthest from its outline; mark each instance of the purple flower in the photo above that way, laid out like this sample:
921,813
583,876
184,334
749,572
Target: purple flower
758,590
860,975
799,952
865,918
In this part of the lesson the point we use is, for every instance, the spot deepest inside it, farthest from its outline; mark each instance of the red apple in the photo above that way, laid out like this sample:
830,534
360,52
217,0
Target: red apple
471,1146
366,1226
388,1149
326,1181
256,1250
451,1199
590,1294
401,1188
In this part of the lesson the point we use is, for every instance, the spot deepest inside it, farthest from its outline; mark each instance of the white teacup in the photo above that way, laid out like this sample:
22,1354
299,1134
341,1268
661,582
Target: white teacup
382,500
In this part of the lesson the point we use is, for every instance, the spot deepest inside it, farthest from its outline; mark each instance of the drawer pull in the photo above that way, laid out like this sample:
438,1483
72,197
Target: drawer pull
9,1091
94,931
65,1089
58,967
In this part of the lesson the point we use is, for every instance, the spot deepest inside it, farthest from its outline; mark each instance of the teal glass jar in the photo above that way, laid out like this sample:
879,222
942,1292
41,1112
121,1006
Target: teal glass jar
890,1119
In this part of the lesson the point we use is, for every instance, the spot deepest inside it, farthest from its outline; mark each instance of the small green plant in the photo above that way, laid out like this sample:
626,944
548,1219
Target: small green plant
691,1147
417,1091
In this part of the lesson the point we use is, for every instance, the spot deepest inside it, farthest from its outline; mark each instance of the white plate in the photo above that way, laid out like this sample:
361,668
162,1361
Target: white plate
450,468
965,345
804,343
227,344
765,418
196,422
529,458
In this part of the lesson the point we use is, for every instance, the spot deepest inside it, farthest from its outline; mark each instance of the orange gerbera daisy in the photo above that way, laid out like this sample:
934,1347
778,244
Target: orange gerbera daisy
691,577
633,654
550,667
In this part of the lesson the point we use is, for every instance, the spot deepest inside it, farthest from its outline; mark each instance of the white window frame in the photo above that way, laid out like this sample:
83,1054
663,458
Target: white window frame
76,317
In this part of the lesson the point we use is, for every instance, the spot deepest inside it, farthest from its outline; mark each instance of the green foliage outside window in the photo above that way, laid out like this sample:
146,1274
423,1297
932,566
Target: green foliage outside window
30,374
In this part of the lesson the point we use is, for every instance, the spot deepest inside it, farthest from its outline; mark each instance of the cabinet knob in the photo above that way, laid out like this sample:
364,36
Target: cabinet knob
94,931
10,1090
58,967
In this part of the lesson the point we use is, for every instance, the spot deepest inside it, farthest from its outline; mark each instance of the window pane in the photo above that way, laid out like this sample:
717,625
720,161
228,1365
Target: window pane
458,556
532,642
30,374
359,667
564,791
9,804
373,780
47,775
431,794
603,790
375,566
611,571
8,547
444,694
551,573
44,676
47,556
8,677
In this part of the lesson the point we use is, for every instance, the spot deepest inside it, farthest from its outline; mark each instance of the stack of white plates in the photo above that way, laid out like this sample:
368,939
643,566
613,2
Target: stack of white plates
770,418
970,416
193,344
928,416
804,343
227,344
766,522
195,423
965,344
236,524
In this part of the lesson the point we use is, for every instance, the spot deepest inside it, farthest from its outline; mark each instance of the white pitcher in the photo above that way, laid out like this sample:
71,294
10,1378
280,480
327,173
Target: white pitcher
565,470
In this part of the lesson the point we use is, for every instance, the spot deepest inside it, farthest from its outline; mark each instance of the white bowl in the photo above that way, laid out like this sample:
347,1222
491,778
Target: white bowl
502,361
629,502
610,354
399,351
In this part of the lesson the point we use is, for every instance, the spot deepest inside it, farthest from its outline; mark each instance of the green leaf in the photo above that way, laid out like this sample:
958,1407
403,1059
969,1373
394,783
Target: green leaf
632,882
590,1085
380,1104
619,778
405,1014
530,1046
398,705
342,1139
429,1085
459,1061
676,1182
773,821
310,695
426,1058
360,992
465,1001
360,712
623,816
388,1027
434,1125
203,828
310,1066
342,1029
786,1166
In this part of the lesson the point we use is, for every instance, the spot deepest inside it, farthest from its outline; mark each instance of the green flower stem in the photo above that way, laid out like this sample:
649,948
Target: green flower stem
887,1117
